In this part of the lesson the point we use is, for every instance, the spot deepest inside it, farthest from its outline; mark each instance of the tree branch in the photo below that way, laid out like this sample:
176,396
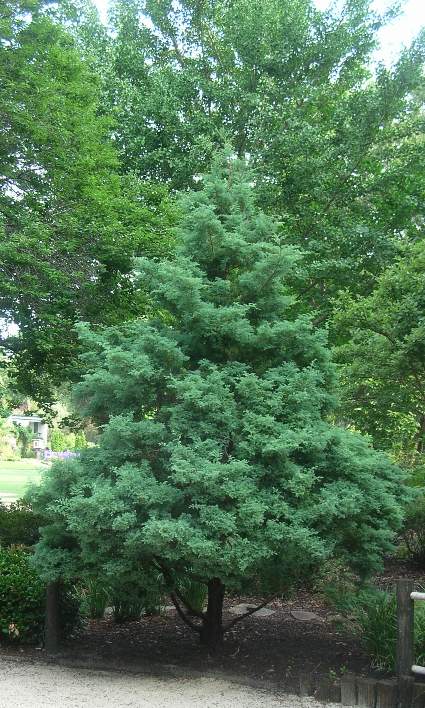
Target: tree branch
185,618
168,577
247,614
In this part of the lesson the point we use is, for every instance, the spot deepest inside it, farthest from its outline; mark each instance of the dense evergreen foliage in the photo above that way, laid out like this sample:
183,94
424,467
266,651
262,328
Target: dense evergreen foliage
217,459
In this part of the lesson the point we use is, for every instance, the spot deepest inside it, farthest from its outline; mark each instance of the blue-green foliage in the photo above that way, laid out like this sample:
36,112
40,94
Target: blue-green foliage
217,456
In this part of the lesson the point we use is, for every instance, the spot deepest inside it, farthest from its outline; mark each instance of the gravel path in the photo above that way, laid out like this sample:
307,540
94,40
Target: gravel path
26,685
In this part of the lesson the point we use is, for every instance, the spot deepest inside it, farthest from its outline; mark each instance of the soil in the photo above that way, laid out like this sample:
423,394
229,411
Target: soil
275,648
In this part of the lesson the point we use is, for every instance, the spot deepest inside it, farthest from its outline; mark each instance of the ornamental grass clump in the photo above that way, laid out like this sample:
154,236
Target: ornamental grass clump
217,461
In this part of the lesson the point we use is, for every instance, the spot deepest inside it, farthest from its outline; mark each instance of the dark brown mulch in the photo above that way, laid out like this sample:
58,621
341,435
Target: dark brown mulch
274,647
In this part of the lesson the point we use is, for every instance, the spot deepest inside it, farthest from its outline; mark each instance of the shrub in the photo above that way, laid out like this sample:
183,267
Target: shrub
414,531
19,525
58,441
22,600
80,440
22,597
130,599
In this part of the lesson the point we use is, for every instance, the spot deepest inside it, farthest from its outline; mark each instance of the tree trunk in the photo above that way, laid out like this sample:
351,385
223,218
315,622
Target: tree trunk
212,625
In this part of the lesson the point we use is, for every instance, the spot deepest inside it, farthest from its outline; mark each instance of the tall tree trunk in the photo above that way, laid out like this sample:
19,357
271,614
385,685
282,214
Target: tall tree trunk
212,625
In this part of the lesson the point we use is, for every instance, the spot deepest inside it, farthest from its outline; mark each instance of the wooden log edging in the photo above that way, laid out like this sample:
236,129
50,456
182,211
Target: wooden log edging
363,691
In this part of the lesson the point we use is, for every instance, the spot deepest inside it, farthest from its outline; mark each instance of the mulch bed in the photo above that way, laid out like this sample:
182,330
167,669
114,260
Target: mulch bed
272,648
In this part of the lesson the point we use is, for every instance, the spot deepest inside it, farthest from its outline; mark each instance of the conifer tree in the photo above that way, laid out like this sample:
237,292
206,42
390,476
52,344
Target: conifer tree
217,460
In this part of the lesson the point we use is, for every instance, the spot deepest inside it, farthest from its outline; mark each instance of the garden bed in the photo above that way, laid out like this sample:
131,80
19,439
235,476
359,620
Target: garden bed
275,648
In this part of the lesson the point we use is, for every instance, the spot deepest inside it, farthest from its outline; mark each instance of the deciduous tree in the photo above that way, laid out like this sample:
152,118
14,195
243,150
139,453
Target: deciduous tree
383,357
69,224
336,141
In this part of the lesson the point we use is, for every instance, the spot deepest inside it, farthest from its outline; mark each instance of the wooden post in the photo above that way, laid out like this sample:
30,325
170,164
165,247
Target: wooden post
52,626
327,690
386,694
419,695
348,690
405,628
306,685
366,692
406,685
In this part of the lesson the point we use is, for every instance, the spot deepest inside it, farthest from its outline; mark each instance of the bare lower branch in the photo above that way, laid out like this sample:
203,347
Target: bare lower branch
196,613
185,618
168,577
247,614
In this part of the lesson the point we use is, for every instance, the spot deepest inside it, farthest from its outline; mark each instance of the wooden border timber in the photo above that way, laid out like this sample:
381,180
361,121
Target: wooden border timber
364,691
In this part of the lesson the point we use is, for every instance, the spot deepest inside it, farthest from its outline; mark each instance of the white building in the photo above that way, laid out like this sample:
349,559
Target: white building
37,426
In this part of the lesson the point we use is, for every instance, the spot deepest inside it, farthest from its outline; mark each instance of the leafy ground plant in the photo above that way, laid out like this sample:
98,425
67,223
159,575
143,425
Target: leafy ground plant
22,597
94,594
372,613
22,600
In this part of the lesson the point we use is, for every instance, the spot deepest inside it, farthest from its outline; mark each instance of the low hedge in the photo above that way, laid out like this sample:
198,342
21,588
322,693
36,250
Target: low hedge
19,525
23,598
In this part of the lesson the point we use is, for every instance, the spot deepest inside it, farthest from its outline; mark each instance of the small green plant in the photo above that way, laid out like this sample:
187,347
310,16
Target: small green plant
372,613
337,583
131,598
127,605
377,619
60,441
94,594
194,593
80,440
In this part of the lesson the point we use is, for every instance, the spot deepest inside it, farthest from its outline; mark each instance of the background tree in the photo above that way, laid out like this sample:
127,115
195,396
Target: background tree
383,358
69,224
336,141
217,461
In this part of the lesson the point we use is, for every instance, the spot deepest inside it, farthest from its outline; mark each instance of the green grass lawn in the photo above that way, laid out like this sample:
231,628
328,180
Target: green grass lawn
16,476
